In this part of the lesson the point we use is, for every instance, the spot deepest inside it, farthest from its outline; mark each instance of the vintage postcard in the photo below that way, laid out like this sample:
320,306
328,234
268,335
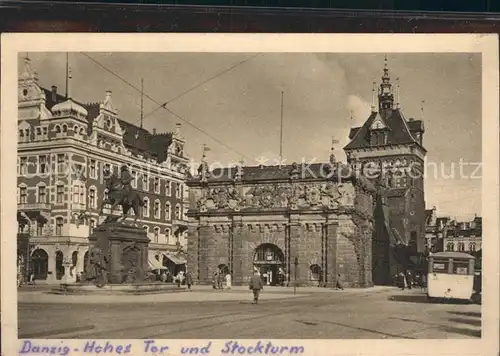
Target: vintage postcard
249,194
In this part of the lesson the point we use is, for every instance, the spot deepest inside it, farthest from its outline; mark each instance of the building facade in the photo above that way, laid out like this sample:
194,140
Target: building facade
464,236
63,147
295,219
390,147
435,230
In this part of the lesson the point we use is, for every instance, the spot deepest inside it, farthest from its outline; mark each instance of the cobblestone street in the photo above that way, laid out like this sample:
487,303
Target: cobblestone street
204,313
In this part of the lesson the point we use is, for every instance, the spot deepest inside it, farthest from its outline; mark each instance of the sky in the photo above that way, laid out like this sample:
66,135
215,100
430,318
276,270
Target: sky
236,99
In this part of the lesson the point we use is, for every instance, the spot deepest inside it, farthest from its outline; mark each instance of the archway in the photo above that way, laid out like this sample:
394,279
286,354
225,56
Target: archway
85,261
316,273
224,269
74,261
59,265
268,259
40,264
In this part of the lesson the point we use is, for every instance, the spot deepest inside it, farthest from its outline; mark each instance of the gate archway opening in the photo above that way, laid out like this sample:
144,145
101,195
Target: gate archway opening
269,260
40,264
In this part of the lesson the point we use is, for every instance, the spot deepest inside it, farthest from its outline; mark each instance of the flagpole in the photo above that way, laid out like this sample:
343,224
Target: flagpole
281,129
67,74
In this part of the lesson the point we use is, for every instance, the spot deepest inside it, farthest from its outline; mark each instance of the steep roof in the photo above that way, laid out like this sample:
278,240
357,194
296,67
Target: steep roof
398,130
146,144
137,140
281,173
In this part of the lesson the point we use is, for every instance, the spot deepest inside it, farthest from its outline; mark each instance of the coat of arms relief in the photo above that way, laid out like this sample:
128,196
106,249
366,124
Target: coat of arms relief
268,196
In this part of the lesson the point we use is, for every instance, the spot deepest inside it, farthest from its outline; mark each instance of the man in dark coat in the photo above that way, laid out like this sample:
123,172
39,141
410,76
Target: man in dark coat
256,286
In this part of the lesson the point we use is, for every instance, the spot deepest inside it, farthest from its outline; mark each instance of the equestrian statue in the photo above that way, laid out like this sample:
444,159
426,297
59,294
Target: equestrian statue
120,192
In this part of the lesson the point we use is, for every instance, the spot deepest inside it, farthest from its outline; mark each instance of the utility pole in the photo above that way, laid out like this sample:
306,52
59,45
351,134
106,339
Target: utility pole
142,102
281,130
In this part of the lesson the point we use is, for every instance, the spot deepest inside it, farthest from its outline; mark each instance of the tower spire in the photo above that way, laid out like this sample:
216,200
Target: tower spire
386,93
398,96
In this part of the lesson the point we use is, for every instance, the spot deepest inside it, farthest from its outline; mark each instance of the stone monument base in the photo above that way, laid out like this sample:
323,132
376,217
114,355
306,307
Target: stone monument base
117,289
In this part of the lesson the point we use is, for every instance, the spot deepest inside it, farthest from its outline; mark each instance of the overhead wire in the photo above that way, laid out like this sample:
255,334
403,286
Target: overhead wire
163,105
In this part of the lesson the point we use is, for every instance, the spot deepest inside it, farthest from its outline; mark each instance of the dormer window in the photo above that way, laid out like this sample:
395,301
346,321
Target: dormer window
108,123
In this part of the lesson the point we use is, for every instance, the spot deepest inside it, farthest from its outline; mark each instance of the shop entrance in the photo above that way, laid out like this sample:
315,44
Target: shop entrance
269,261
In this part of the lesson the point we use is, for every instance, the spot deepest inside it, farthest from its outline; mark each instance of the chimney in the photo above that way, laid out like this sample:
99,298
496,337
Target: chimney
154,131
177,131
54,93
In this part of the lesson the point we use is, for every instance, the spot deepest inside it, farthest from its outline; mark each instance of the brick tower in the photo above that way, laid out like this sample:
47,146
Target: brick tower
389,149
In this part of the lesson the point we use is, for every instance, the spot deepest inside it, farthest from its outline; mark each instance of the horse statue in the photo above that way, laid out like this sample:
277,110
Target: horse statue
121,193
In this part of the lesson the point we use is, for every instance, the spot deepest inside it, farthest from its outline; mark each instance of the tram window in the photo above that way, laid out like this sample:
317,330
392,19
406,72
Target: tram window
440,266
460,267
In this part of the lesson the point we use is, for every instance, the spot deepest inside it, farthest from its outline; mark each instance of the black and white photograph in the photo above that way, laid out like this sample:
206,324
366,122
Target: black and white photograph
254,199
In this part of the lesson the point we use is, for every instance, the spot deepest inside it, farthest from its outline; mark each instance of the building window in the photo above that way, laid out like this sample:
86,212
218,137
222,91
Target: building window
167,235
145,182
178,212
157,185
145,211
168,188
92,226
93,169
42,164
178,190
23,165
449,246
92,201
76,194
157,209
59,226
39,229
167,211
461,247
472,247
133,183
42,196
60,163
146,228
156,234
59,194
82,195
105,194
23,195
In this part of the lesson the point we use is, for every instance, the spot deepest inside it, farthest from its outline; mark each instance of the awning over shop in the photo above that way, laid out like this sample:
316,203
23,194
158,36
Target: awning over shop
176,260
155,264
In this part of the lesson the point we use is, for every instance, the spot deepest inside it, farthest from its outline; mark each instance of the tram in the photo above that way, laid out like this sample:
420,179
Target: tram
450,276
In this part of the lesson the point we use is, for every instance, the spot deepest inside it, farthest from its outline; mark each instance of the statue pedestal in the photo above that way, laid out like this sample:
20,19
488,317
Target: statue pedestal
126,250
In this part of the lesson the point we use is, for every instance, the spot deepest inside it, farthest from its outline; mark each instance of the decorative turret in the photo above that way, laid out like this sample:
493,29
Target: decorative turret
386,92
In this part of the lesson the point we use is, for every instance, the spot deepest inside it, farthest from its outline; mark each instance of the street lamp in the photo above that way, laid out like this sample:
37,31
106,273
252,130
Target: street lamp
296,263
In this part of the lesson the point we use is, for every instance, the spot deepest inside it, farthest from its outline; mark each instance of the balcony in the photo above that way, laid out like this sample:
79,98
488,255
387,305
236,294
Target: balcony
179,223
35,206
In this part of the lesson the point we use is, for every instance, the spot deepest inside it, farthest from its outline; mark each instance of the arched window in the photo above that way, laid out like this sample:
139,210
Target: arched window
157,211
146,228
178,212
82,131
167,235
58,129
167,211
64,128
92,226
145,208
40,264
75,129
461,247
472,247
156,234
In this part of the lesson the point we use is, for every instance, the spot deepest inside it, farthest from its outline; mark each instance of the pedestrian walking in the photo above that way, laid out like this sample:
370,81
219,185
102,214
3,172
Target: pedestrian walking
401,280
215,277
339,283
228,281
189,280
409,279
256,286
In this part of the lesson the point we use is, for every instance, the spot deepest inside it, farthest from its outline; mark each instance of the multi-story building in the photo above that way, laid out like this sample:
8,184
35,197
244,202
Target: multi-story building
464,236
435,230
391,145
63,147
